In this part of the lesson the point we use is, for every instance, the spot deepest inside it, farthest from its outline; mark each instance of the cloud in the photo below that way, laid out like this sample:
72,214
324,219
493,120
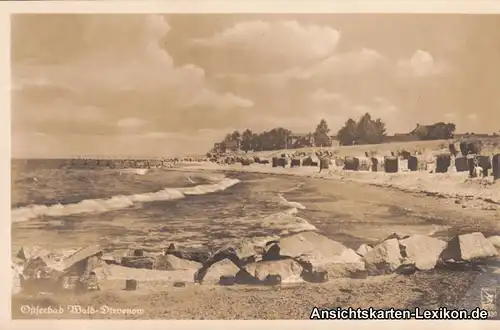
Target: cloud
166,135
77,145
450,115
384,107
59,111
320,96
282,39
142,80
338,108
222,101
122,55
345,64
348,63
472,116
130,122
155,135
119,64
421,64
386,111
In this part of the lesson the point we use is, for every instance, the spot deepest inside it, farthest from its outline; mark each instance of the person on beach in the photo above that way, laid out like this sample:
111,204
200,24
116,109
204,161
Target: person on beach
93,282
323,164
88,278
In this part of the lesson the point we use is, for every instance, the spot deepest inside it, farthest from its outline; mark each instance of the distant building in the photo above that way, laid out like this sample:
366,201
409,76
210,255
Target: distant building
232,145
217,147
227,146
300,140
420,130
335,141
305,140
414,135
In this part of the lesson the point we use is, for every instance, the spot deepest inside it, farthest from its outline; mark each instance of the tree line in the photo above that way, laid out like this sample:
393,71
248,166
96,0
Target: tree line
365,130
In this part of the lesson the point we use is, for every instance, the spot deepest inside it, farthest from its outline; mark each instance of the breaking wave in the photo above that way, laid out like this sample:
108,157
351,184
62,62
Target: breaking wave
295,205
138,171
287,222
119,202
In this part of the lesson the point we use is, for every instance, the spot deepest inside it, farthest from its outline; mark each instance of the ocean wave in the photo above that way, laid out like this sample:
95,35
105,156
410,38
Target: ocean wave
287,222
295,205
138,171
259,229
116,202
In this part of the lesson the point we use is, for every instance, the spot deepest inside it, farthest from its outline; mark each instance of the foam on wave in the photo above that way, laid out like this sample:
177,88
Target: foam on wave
119,202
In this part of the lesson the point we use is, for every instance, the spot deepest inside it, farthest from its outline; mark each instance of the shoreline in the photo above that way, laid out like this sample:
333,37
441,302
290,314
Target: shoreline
455,185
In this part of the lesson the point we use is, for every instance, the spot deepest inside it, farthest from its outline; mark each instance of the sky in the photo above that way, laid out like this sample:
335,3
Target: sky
138,85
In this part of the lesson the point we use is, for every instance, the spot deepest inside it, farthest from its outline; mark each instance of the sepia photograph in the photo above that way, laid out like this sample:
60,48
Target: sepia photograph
265,166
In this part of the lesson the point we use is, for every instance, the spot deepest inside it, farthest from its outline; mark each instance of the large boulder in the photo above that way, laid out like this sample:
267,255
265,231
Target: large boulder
423,251
42,263
363,249
212,273
289,270
111,259
196,255
17,262
495,240
32,252
244,251
384,258
80,255
316,252
171,262
145,262
42,267
272,251
469,247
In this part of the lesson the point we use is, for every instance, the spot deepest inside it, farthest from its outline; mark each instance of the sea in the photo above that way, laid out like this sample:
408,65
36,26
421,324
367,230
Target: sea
118,208
59,207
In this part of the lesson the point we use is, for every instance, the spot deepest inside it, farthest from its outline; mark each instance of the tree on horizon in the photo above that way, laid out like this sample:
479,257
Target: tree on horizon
246,140
321,136
364,131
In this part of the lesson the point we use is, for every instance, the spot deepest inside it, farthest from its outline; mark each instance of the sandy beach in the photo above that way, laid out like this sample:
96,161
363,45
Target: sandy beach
455,187
425,290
